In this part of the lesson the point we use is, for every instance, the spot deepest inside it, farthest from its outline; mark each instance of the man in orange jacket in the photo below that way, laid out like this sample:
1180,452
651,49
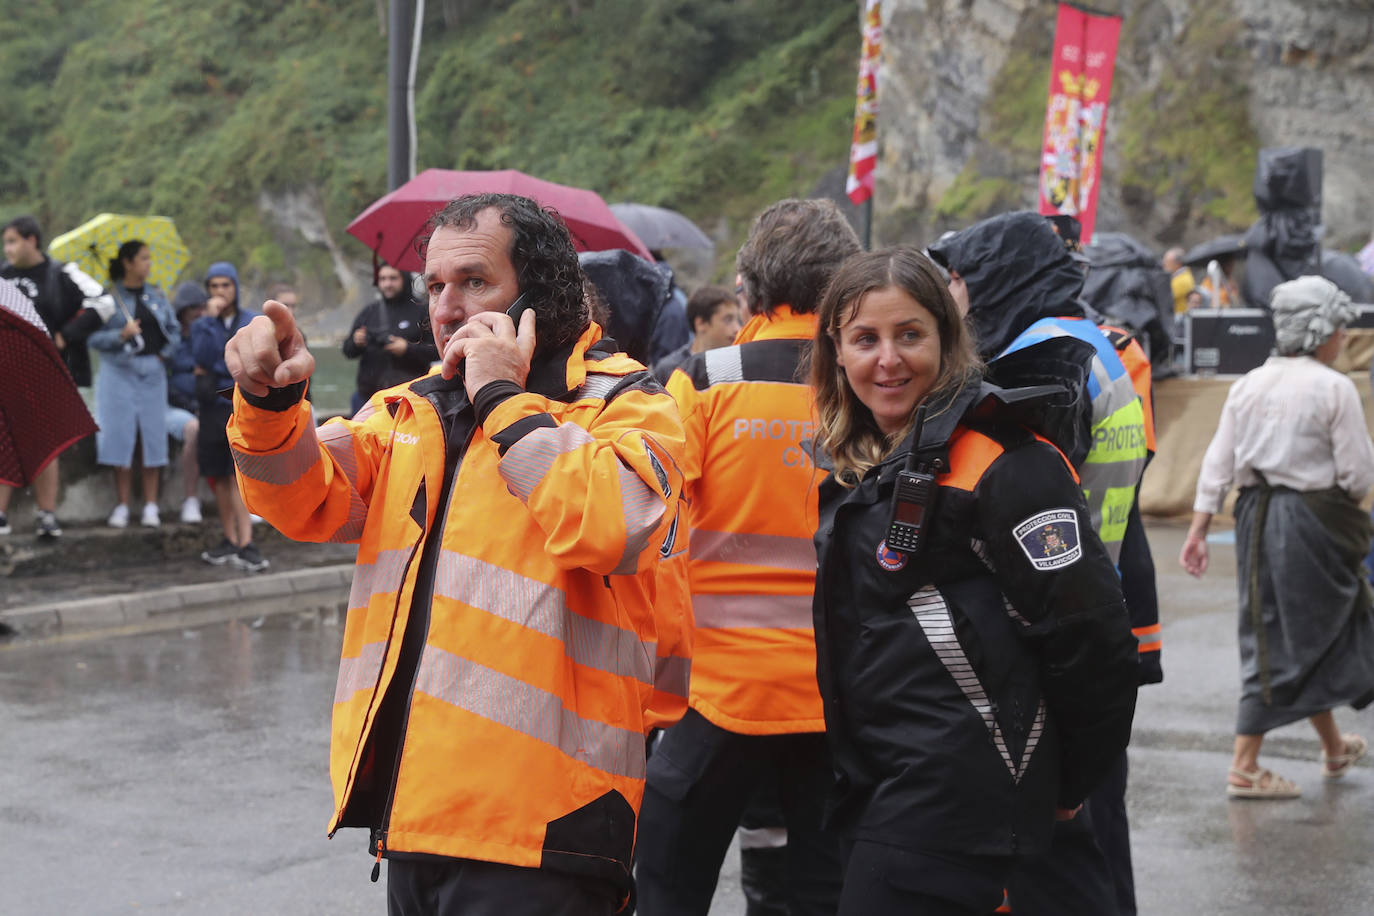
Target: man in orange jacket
508,645
755,721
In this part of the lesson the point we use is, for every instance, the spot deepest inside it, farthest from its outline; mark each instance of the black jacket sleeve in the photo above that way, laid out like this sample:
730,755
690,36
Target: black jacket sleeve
1064,589
350,349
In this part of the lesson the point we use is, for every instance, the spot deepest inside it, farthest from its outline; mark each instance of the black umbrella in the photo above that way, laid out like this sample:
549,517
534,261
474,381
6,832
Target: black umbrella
659,227
1219,247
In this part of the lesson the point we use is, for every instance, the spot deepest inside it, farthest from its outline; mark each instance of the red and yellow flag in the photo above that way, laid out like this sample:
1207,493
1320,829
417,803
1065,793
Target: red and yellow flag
1075,120
863,152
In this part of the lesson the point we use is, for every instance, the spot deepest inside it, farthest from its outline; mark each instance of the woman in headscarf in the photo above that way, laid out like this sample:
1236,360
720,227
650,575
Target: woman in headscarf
1292,436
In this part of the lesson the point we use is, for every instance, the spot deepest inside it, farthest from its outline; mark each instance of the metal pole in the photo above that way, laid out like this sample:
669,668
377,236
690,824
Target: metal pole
866,219
398,39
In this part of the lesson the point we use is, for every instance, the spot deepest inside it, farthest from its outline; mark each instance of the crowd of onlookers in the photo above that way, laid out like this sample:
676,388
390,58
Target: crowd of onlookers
161,368
160,373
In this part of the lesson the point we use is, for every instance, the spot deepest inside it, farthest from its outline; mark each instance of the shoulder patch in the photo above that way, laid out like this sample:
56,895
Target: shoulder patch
889,559
1050,539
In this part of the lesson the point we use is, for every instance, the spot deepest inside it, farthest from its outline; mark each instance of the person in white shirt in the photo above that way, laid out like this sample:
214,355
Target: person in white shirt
1292,436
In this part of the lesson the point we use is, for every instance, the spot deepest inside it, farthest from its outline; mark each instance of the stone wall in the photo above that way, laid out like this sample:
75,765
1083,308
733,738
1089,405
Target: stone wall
1198,89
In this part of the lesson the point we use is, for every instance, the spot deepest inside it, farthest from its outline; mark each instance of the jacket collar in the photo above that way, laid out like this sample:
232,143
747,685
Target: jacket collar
554,375
779,324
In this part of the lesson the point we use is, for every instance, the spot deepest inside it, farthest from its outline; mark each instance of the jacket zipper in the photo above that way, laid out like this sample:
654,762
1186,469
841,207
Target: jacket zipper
362,738
446,499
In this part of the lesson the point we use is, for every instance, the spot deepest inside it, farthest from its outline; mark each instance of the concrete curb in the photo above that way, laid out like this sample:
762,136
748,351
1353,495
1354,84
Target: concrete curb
300,590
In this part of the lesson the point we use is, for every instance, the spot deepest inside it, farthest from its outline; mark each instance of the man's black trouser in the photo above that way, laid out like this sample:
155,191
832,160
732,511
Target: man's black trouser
701,778
1076,877
467,887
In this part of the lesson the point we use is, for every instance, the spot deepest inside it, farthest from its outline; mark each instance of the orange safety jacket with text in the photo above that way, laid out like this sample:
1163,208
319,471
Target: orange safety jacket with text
545,660
751,492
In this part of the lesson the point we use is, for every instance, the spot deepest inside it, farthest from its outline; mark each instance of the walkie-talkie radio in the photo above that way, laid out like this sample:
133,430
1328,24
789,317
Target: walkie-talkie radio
912,498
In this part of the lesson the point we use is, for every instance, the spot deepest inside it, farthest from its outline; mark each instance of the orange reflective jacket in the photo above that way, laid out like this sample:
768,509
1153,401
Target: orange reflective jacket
751,490
536,675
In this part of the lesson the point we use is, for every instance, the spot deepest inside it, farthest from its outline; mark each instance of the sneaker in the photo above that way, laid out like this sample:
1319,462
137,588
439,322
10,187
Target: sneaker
5,524
218,556
151,518
119,518
190,511
47,527
249,559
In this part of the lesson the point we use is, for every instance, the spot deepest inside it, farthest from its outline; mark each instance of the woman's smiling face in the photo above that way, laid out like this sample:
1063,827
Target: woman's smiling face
890,352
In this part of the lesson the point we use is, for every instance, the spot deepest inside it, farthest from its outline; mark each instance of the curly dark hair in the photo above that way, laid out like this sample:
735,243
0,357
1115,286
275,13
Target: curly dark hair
542,253
792,249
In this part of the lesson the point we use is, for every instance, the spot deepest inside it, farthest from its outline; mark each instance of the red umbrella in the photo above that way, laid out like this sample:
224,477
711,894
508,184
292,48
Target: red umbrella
393,224
41,412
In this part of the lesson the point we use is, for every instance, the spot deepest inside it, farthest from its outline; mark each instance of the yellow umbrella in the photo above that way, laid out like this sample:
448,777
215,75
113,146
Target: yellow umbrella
93,244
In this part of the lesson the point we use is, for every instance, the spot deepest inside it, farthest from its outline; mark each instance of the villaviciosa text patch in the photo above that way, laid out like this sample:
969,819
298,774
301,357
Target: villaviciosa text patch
1050,539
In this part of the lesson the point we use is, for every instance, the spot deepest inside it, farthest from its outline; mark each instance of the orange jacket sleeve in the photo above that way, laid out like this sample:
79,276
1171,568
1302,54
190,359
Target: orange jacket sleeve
605,493
311,485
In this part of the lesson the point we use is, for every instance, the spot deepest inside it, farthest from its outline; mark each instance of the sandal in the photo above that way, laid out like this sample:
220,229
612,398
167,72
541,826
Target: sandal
1335,767
1263,784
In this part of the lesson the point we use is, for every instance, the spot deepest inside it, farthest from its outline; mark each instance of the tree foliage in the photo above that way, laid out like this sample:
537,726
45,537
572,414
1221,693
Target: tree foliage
196,109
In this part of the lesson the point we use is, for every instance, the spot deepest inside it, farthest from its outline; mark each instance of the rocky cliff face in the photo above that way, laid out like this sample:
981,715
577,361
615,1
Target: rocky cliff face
1199,88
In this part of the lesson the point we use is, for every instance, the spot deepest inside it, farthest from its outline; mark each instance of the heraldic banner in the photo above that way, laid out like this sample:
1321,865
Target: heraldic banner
1080,86
863,152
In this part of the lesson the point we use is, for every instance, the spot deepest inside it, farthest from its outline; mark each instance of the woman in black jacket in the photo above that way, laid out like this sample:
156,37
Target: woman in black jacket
976,686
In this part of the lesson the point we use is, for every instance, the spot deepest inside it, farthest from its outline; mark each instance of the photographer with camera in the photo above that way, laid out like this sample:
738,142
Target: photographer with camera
389,338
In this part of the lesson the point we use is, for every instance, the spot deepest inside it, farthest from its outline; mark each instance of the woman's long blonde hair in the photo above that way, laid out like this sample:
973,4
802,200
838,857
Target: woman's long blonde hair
845,426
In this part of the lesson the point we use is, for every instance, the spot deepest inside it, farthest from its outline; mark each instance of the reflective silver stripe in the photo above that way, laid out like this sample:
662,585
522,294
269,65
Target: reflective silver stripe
643,507
724,364
282,468
773,550
1013,613
1096,476
933,616
377,578
352,527
542,608
980,550
337,439
1032,740
529,710
361,673
1115,394
598,385
770,612
528,461
364,412
762,837
673,675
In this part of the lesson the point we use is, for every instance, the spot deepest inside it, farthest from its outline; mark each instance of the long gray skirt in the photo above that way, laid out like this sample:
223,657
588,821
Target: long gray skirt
1306,625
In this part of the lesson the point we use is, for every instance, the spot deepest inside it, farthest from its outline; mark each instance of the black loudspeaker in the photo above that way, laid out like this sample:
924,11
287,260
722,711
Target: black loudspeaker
1226,341
1289,177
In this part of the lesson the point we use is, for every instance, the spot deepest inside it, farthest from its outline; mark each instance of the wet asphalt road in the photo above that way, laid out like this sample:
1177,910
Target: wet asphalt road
185,772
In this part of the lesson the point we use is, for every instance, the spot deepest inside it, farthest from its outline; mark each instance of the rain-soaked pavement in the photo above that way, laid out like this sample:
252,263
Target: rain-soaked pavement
185,772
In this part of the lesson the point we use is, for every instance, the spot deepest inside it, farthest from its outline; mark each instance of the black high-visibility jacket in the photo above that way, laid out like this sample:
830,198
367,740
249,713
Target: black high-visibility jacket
970,689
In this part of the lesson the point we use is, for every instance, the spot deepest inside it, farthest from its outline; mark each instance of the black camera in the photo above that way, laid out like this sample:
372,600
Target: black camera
378,339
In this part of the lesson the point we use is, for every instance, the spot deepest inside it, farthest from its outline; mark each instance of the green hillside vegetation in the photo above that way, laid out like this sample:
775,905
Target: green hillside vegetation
194,110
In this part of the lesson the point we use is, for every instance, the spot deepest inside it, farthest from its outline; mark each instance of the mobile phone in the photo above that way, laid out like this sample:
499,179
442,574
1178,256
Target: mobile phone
518,308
